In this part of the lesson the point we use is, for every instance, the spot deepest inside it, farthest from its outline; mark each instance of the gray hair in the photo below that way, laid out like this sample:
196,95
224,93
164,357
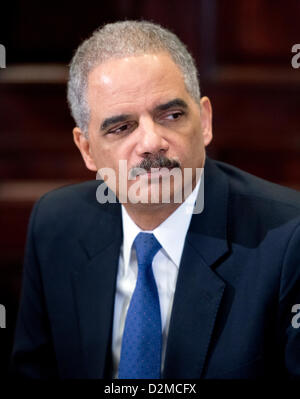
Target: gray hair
118,40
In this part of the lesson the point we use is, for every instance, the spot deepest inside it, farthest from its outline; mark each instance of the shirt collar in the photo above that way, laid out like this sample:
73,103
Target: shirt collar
170,233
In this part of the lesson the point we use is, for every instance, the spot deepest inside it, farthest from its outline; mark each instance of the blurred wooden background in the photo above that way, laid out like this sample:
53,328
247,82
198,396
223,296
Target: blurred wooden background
243,51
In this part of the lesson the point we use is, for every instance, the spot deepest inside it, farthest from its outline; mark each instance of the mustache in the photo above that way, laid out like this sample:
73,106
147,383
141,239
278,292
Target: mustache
153,161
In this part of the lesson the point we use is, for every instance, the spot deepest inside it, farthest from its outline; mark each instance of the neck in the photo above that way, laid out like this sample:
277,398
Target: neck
148,217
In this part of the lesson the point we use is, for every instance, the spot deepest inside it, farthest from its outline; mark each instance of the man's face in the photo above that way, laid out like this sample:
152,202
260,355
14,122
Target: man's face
140,110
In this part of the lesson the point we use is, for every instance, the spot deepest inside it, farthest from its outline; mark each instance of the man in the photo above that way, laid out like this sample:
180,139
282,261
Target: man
155,289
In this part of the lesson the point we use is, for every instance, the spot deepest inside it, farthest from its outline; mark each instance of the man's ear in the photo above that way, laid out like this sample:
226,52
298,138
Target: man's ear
206,119
83,144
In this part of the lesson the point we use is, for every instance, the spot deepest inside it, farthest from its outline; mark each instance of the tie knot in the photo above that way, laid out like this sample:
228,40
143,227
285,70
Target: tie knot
146,246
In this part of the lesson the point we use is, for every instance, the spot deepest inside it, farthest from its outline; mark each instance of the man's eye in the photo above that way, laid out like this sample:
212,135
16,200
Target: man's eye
174,115
120,129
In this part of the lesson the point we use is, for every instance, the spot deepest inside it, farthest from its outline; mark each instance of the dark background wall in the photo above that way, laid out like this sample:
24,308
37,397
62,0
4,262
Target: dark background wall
243,51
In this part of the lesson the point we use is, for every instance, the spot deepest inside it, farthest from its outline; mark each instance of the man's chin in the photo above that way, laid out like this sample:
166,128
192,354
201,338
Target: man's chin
154,193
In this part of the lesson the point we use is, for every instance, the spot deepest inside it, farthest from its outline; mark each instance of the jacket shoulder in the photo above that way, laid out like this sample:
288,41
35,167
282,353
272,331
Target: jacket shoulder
253,188
74,192
72,205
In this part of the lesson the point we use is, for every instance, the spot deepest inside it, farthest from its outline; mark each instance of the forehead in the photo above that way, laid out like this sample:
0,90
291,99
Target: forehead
135,82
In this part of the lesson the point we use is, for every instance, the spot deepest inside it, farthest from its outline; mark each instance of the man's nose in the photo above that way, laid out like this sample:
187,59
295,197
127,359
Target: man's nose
150,139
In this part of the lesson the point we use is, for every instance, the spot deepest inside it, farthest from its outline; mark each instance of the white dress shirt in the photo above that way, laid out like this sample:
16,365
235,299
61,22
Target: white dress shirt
171,236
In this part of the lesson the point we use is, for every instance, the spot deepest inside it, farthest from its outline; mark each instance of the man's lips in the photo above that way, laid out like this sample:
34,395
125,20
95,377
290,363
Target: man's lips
157,171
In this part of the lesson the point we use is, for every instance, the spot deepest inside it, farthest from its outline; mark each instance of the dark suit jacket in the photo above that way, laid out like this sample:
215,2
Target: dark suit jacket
238,280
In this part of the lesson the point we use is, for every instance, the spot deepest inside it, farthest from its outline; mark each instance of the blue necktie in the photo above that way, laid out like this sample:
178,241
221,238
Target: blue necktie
141,343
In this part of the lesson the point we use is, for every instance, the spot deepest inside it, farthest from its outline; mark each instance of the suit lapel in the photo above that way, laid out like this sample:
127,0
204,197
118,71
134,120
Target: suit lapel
94,288
199,289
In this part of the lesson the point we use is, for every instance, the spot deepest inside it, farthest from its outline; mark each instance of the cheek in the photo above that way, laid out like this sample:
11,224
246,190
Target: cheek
109,156
188,148
197,140
102,156
189,142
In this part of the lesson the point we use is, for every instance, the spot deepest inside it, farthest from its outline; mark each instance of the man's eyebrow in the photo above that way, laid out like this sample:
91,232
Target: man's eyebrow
114,119
177,102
